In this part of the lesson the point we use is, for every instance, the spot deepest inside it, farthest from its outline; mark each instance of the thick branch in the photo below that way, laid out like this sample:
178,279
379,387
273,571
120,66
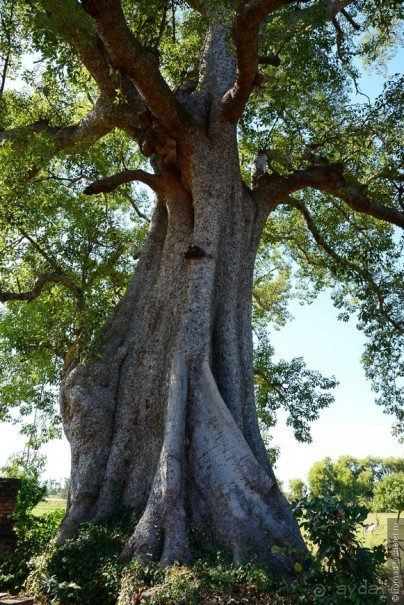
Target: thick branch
348,17
77,28
245,35
273,60
198,5
135,61
127,176
36,290
100,120
328,179
357,199
327,10
93,126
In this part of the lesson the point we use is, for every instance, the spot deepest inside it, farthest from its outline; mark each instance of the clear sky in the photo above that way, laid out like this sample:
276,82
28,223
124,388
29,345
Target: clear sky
354,424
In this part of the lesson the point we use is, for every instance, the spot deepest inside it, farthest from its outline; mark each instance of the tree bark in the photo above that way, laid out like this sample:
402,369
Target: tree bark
163,419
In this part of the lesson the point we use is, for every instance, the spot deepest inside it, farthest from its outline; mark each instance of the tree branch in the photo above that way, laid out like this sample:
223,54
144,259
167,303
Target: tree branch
328,179
93,126
135,61
76,27
100,120
198,5
245,36
136,208
63,278
36,290
273,60
127,176
349,18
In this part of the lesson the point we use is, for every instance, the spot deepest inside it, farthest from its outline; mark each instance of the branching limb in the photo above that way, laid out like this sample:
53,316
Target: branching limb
132,59
127,176
300,19
198,5
273,60
340,261
327,9
136,208
63,278
98,122
273,188
349,18
356,197
245,35
36,290
77,28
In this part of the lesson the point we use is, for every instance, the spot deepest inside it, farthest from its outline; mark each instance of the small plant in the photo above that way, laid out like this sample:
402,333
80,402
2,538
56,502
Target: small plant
200,582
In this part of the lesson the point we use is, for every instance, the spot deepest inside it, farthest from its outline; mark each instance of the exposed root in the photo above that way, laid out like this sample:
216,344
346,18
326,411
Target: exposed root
87,406
162,530
244,504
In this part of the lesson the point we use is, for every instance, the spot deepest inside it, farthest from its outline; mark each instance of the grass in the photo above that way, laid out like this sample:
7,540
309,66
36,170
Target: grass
49,506
379,536
369,539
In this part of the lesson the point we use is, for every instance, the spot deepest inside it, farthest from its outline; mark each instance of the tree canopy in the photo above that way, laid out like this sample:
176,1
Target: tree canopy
389,493
67,94
351,479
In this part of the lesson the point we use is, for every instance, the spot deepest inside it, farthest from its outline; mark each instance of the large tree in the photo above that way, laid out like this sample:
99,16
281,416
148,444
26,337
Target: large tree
255,147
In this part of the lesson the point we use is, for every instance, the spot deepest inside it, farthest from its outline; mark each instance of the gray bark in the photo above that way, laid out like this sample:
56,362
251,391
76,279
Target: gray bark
163,420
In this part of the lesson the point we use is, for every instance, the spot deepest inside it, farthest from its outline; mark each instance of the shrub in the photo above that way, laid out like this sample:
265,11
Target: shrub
341,570
83,571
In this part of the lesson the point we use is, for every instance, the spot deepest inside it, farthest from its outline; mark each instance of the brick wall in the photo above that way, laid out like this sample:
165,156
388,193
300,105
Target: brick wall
8,499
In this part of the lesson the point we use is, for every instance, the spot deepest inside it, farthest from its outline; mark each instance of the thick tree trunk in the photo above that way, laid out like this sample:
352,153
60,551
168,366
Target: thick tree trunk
163,421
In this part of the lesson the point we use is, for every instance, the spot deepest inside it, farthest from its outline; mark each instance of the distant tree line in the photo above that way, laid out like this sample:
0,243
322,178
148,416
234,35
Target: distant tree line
377,483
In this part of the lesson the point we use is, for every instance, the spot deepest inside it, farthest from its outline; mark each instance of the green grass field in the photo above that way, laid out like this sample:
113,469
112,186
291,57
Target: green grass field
369,539
379,536
49,505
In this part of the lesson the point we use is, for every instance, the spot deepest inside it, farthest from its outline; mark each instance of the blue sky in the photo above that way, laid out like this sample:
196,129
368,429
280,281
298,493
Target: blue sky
354,424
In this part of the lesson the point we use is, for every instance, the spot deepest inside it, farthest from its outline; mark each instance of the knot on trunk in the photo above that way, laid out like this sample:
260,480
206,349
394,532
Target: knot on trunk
195,252
156,139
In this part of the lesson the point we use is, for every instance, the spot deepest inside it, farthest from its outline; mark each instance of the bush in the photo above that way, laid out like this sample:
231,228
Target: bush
342,570
83,571
87,570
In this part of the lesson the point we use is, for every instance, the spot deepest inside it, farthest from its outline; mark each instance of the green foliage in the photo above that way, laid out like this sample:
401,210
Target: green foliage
291,386
84,570
297,490
88,569
341,566
33,532
351,479
389,493
200,582
91,248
